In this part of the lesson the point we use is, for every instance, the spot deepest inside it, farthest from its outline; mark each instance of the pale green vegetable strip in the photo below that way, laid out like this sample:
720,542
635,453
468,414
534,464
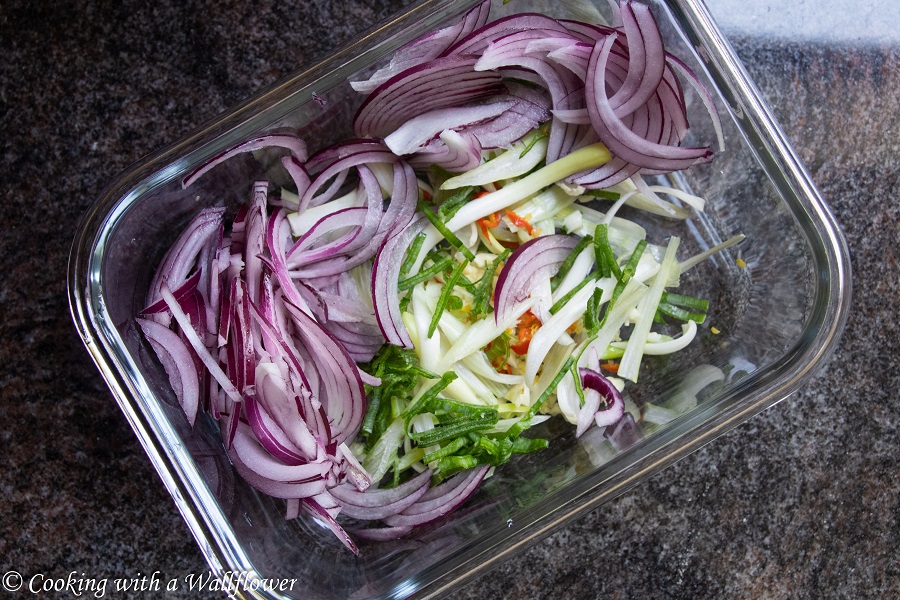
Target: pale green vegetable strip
506,166
544,205
698,258
429,348
621,309
550,332
382,455
479,335
585,158
631,360
689,332
303,222
582,159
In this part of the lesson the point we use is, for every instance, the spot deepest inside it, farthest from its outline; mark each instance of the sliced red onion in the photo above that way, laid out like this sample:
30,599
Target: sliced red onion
320,513
615,405
531,108
241,350
270,435
622,139
533,260
452,151
255,240
361,340
474,43
255,457
276,489
310,409
400,209
201,350
440,500
329,237
178,363
587,32
182,294
344,399
385,281
703,92
417,131
647,59
564,86
281,406
181,257
378,504
334,163
294,144
381,534
298,173
427,47
624,434
440,83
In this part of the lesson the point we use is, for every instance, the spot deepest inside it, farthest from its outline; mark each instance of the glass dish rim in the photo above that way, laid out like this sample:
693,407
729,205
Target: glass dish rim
765,387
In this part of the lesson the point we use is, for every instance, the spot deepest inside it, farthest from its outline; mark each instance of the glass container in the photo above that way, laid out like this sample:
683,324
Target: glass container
778,312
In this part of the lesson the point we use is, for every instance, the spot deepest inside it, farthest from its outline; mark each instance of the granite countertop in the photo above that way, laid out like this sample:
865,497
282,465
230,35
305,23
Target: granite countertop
799,502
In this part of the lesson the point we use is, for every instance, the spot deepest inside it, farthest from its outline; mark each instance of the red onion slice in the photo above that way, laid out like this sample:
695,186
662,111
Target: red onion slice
181,257
344,399
379,504
294,144
419,130
531,261
441,500
452,151
474,43
385,282
622,141
270,435
615,405
440,83
255,457
182,294
318,512
427,47
178,363
276,489
647,59
279,404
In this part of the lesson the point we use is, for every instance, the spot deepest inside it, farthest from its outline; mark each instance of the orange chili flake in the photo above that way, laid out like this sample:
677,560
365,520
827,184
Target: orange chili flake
520,222
426,195
490,221
612,367
528,324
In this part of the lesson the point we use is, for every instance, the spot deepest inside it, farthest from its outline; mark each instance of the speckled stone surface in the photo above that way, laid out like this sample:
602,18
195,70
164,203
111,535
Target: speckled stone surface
802,501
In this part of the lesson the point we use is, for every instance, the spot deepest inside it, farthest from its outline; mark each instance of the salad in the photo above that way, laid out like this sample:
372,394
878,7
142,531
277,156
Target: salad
377,337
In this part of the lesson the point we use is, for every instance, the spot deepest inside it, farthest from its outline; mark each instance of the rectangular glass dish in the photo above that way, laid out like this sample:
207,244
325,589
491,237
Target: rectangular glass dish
778,318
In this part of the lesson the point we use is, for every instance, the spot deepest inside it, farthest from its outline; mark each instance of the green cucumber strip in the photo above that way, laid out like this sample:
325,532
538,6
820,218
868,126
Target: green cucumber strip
454,429
448,235
566,265
426,274
446,292
568,296
417,407
411,255
447,450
